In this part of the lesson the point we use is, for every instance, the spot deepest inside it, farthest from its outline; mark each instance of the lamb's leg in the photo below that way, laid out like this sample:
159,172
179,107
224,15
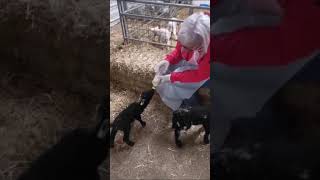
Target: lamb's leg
168,41
154,36
112,136
177,134
207,132
175,36
175,33
143,124
127,135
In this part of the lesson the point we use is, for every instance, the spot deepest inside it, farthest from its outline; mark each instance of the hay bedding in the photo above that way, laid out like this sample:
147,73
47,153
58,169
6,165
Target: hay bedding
80,18
132,65
32,119
155,156
115,37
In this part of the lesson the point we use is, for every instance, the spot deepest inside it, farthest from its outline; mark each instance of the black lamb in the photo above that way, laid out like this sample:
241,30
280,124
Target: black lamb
184,118
77,155
133,112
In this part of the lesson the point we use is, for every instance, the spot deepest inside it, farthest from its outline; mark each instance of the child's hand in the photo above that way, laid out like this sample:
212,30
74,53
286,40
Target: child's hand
156,81
161,67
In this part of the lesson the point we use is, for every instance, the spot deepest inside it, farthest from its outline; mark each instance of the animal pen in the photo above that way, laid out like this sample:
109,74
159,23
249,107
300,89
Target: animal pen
154,22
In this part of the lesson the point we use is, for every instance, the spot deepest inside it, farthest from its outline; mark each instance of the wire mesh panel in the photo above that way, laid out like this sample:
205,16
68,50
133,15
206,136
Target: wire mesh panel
155,22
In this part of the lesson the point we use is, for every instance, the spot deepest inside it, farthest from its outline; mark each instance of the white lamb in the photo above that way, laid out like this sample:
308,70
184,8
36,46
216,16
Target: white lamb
163,33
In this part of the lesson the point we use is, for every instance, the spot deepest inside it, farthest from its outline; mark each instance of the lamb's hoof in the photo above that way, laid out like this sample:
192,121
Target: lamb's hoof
130,143
143,124
179,144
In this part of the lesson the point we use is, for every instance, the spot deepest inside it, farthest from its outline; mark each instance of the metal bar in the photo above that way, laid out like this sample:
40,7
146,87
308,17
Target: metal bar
116,19
125,6
153,19
133,8
136,31
167,4
190,11
133,39
121,20
150,17
126,27
114,23
149,23
125,24
147,29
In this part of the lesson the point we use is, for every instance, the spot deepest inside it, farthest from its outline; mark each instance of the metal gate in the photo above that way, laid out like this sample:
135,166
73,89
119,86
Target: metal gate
155,22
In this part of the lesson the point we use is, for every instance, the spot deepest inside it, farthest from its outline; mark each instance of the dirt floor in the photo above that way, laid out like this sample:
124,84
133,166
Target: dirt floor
47,38
154,155
33,118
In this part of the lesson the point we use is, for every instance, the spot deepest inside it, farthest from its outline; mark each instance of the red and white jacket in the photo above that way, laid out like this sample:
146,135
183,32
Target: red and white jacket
189,76
296,37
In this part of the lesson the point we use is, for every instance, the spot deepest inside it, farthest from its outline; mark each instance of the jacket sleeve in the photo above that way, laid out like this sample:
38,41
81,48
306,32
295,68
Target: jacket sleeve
175,56
196,75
